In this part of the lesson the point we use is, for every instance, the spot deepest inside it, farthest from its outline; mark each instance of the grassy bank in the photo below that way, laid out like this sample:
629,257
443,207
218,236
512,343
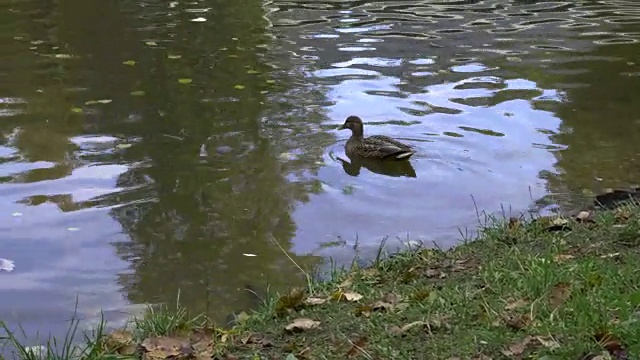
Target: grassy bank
548,289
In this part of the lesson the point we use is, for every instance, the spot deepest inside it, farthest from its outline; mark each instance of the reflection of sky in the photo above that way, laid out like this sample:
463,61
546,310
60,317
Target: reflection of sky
452,172
59,255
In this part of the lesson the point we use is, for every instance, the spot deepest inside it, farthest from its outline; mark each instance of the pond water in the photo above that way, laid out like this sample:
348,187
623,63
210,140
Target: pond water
155,147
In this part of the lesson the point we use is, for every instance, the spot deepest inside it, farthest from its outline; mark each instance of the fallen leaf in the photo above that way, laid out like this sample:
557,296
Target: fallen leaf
431,273
314,301
562,257
292,300
518,322
517,349
257,339
151,43
357,346
612,344
559,294
516,304
514,223
170,56
120,341
185,81
390,298
163,347
239,87
137,93
76,110
381,305
548,342
584,216
302,324
349,296
401,330
202,343
129,62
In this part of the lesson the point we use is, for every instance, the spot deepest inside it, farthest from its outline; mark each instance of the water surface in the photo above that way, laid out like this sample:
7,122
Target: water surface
148,147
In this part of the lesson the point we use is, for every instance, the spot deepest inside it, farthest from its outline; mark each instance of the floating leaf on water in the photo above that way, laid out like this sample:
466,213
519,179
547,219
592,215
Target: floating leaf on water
239,87
37,42
91,102
199,19
76,110
63,56
185,81
264,92
270,81
234,38
170,56
137,93
253,72
104,101
151,43
233,56
123,146
129,62
249,255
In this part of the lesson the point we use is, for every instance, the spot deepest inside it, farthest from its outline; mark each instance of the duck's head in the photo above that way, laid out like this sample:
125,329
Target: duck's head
352,122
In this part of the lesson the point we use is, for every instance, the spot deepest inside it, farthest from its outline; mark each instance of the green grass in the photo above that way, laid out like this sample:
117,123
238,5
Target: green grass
548,289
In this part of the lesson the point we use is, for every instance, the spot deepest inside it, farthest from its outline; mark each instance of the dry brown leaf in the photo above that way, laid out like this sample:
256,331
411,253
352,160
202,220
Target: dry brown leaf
514,223
431,273
381,305
357,346
257,339
345,284
612,344
164,347
562,257
390,298
401,330
518,322
202,343
351,296
516,349
547,342
120,341
314,301
302,324
516,304
559,294
481,357
290,301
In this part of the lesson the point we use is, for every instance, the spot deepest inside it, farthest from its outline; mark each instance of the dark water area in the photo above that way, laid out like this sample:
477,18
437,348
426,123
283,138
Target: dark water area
155,147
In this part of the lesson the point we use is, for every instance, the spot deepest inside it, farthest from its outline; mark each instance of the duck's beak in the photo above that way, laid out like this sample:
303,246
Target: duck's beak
341,127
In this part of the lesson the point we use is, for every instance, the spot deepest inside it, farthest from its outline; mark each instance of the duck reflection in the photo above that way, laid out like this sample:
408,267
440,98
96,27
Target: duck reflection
389,168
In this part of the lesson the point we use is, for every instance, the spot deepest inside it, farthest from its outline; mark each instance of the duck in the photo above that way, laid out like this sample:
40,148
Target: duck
375,146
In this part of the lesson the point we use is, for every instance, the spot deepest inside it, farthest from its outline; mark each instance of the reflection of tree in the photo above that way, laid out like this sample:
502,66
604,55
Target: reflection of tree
599,123
195,216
